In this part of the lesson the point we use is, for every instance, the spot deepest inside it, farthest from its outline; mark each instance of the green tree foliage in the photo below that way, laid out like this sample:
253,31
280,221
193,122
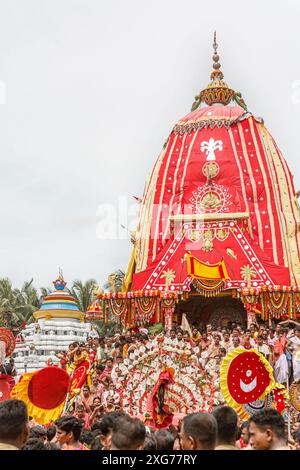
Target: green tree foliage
18,305
83,293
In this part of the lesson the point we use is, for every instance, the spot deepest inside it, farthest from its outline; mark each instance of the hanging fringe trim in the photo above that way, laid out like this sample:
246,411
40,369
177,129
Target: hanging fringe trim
208,288
183,127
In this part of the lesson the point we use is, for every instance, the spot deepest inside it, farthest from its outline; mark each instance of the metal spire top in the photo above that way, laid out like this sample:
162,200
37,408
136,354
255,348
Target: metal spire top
216,74
215,45
217,91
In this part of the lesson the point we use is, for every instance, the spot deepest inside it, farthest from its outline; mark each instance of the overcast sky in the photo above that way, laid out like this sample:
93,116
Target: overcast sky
90,90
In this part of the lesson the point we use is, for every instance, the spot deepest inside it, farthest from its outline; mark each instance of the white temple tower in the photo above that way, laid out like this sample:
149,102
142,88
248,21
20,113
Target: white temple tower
59,323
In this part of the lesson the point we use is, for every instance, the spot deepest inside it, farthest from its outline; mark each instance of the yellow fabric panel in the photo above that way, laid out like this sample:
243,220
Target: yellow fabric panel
289,212
144,228
127,281
267,189
198,269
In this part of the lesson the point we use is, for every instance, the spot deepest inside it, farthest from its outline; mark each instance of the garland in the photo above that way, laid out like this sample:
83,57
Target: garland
296,301
145,306
118,307
274,288
277,301
250,299
144,309
140,311
168,303
274,303
168,306
139,307
138,294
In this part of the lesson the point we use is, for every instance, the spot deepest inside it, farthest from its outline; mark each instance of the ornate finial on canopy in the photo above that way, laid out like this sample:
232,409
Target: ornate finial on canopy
216,73
60,283
217,91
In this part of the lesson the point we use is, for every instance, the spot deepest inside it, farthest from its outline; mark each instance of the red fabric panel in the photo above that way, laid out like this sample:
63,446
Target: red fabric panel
246,180
267,271
247,378
163,418
79,375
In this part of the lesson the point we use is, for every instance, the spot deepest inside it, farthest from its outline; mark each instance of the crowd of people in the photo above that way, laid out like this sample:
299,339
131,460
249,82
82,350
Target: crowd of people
116,430
98,419
111,356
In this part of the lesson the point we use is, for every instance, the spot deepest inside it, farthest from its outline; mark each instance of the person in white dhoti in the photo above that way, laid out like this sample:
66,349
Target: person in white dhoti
281,369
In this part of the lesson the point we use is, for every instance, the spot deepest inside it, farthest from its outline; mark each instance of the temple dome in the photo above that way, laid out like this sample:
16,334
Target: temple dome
59,304
59,322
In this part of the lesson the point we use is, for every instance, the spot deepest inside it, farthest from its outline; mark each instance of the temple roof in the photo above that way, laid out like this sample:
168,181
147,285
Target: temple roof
59,304
222,191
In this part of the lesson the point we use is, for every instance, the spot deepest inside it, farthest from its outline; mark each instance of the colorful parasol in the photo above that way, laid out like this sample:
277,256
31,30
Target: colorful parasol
246,378
44,392
8,338
79,377
295,395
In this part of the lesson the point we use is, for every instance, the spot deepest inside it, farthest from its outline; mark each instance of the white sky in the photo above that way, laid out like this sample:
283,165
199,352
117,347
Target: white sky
93,89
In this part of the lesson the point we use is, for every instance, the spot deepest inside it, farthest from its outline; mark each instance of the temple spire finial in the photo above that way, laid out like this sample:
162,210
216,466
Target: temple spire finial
217,91
216,73
59,282
215,46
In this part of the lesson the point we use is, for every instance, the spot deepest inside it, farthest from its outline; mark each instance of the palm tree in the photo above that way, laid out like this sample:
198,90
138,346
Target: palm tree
83,293
105,329
44,292
114,281
7,294
27,301
8,319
